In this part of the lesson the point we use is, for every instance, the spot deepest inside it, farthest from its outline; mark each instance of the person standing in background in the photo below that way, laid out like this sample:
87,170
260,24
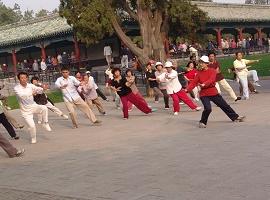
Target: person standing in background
108,54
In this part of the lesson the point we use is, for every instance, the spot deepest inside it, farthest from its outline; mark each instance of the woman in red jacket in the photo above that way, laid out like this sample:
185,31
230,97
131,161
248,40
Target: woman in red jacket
206,79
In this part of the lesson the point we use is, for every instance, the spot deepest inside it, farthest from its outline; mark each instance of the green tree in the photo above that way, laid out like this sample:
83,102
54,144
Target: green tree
28,14
92,20
42,13
8,15
55,11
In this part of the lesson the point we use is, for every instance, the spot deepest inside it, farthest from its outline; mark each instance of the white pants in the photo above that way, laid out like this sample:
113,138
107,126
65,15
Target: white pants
28,113
253,74
124,61
244,81
51,108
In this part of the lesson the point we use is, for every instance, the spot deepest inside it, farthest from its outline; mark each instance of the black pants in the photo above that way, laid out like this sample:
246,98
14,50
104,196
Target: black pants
101,94
166,98
7,125
220,102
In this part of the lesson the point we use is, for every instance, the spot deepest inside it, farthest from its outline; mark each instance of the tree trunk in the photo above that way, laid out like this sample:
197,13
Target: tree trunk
150,27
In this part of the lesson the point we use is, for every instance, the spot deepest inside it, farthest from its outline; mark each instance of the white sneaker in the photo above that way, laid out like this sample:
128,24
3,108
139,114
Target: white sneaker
197,99
175,113
181,103
198,108
33,140
8,108
39,122
202,125
47,127
65,116
257,84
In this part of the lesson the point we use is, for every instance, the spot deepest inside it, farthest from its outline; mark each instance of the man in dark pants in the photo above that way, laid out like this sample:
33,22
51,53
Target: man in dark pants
9,149
6,124
206,79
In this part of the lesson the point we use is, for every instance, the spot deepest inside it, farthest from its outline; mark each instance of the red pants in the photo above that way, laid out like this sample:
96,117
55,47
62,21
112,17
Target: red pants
182,96
138,94
137,101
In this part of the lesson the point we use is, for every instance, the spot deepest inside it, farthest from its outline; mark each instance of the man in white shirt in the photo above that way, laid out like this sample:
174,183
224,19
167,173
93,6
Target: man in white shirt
174,89
25,92
108,54
68,85
242,72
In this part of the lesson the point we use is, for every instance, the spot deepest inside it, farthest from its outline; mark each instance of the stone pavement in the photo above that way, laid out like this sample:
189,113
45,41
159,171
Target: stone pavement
156,157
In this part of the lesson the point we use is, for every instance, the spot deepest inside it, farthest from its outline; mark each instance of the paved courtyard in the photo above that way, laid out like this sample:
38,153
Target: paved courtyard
156,157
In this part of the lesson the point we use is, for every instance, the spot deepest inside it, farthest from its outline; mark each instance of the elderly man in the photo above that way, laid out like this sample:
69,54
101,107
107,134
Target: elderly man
9,149
242,73
68,85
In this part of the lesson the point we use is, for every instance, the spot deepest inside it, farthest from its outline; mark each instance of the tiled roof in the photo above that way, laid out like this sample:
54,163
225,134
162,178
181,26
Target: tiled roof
33,30
221,12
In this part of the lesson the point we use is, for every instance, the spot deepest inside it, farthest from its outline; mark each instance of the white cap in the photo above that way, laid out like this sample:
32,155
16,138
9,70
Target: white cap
168,64
88,72
158,63
205,59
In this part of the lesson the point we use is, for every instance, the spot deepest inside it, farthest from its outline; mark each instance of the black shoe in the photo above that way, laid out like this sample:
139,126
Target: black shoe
237,99
16,138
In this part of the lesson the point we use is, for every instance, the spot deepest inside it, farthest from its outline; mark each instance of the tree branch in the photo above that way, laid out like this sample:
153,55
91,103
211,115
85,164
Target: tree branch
125,39
129,10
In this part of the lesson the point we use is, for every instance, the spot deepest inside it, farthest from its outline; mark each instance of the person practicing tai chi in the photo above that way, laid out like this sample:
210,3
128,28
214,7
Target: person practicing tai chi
4,121
88,89
25,93
42,99
174,89
214,64
68,85
120,85
242,73
9,148
206,79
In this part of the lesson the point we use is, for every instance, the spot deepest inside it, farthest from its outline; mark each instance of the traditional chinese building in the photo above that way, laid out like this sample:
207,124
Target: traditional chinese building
52,35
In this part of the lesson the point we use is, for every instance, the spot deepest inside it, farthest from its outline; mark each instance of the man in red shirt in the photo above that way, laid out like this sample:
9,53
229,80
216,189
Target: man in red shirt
206,79
213,63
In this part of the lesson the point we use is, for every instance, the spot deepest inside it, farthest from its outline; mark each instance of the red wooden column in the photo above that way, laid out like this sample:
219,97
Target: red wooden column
240,33
43,51
259,32
14,61
219,36
77,49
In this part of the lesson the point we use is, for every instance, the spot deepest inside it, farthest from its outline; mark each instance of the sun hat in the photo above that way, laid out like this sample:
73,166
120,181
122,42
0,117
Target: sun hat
168,64
204,59
158,63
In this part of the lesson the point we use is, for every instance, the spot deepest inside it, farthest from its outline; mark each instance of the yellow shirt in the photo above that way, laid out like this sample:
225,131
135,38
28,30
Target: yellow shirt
240,67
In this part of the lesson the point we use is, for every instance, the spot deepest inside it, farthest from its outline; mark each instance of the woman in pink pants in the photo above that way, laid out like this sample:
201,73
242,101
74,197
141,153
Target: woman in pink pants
174,89
122,87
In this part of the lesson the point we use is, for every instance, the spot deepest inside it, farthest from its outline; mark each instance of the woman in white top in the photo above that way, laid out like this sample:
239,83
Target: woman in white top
174,89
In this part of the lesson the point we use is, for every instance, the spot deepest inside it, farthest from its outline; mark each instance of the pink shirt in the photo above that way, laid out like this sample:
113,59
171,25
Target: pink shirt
88,90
